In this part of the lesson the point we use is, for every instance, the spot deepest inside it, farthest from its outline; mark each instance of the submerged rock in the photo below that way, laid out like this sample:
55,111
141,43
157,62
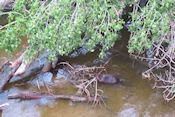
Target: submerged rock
130,112
46,77
62,74
41,78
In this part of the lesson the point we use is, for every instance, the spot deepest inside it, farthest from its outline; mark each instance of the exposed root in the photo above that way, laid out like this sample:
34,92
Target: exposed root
162,64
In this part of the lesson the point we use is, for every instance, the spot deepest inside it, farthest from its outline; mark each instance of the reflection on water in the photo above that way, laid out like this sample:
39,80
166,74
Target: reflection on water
133,99
22,109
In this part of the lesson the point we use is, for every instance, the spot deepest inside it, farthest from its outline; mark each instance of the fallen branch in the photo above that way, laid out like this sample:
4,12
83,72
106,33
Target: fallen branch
50,96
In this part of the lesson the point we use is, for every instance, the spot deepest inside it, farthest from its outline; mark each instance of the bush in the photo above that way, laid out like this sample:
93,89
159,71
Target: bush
150,24
60,26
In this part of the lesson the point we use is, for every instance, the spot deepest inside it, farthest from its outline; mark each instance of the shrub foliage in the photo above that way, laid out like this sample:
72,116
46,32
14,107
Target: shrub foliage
61,25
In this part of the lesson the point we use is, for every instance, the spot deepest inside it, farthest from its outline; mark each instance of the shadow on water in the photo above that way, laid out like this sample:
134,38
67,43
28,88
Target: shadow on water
133,99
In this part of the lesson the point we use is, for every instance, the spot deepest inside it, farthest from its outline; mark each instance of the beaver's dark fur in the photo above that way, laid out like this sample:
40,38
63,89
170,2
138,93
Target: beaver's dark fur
108,78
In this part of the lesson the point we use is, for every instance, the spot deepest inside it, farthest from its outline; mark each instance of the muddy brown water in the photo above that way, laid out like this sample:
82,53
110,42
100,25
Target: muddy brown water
134,98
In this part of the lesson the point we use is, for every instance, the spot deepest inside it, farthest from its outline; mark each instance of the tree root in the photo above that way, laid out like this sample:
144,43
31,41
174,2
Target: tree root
162,64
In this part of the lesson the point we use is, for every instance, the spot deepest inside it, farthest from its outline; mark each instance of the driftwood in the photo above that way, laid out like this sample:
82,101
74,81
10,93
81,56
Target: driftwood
50,96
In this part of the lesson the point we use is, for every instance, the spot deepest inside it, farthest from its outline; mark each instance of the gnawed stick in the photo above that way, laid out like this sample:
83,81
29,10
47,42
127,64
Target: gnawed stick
3,105
50,96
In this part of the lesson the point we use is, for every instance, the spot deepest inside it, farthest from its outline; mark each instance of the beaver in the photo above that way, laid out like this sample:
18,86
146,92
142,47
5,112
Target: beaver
108,78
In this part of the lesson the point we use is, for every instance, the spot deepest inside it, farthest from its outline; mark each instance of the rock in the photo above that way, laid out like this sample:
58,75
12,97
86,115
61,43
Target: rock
61,74
81,51
45,77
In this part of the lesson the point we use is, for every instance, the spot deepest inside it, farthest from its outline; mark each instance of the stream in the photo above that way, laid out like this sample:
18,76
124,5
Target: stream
134,98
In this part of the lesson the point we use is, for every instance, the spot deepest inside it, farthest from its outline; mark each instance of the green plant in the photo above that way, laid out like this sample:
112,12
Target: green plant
60,25
150,24
152,39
